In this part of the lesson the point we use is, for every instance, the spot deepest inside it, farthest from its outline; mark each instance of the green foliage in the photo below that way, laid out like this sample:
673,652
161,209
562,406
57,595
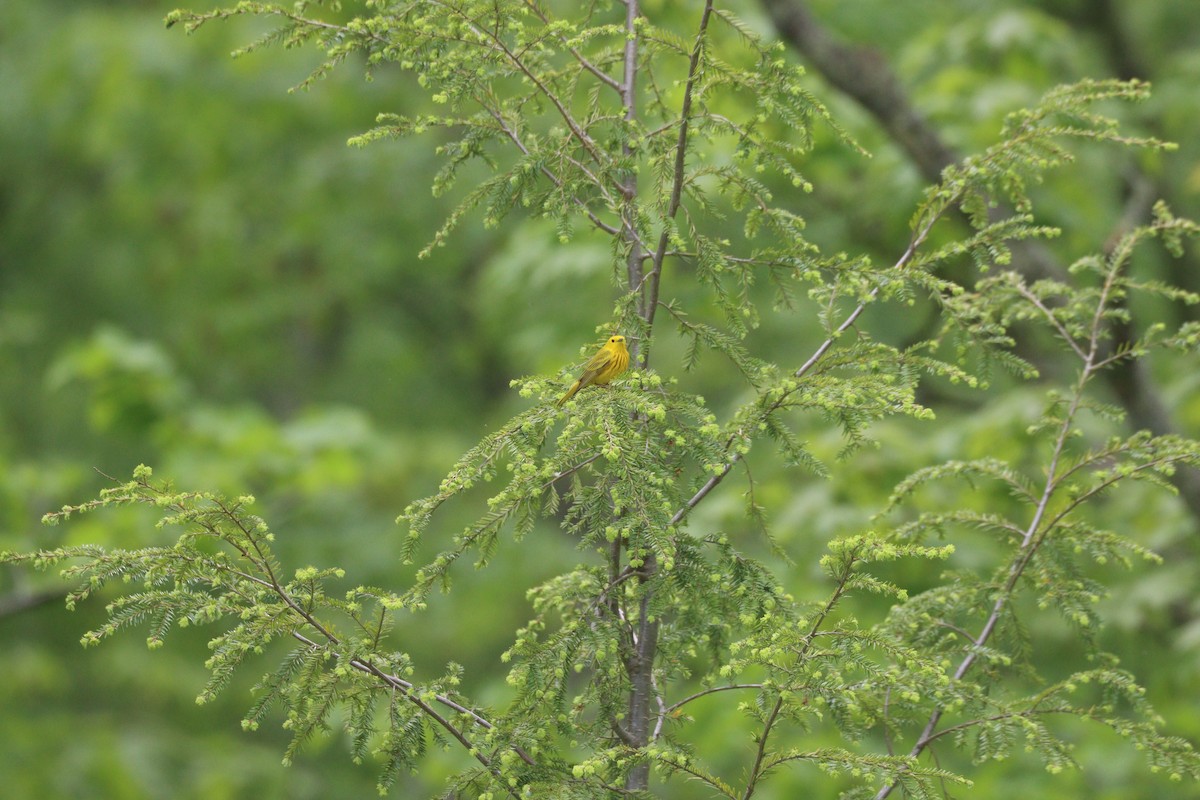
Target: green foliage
1048,548
222,567
660,604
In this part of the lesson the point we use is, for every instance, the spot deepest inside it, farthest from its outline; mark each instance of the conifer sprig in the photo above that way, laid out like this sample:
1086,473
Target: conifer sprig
1044,547
601,119
192,583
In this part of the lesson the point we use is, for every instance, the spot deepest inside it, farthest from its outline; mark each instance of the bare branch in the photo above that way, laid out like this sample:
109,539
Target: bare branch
704,693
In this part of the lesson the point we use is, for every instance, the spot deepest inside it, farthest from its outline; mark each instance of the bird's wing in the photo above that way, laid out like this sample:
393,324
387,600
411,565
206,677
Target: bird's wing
594,367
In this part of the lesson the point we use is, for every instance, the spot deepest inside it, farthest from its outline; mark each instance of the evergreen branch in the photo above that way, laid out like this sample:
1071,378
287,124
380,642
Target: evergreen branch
515,59
1190,457
1117,448
248,541
757,769
365,33
650,300
1002,717
1063,333
603,76
1033,536
513,136
866,77
958,186
833,759
407,688
918,238
1042,523
724,343
195,20
263,562
982,467
684,765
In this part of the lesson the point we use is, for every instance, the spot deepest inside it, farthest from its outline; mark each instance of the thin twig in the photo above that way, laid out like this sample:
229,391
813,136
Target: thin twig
569,471
1036,301
1001,717
966,635
662,708
887,728
577,130
604,77
713,690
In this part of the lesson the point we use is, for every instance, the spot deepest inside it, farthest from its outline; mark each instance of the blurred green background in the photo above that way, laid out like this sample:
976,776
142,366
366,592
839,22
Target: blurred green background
197,273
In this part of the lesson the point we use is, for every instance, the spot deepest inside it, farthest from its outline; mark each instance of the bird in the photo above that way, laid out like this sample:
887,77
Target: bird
610,361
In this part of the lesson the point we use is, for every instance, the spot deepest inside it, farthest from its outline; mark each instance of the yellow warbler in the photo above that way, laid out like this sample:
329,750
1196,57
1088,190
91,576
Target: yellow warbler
609,362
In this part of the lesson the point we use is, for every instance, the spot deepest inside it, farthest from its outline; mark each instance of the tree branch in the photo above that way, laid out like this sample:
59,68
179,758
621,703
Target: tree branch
603,76
1034,534
918,238
577,130
262,562
654,276
864,75
757,770
629,184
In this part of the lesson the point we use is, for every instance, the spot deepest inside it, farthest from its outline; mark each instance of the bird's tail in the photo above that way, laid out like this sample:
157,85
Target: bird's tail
570,393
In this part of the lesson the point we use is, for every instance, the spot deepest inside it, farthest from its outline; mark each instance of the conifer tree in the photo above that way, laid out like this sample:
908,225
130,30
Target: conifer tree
613,124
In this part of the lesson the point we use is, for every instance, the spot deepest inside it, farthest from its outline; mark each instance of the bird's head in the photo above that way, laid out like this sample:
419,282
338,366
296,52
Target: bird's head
616,340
